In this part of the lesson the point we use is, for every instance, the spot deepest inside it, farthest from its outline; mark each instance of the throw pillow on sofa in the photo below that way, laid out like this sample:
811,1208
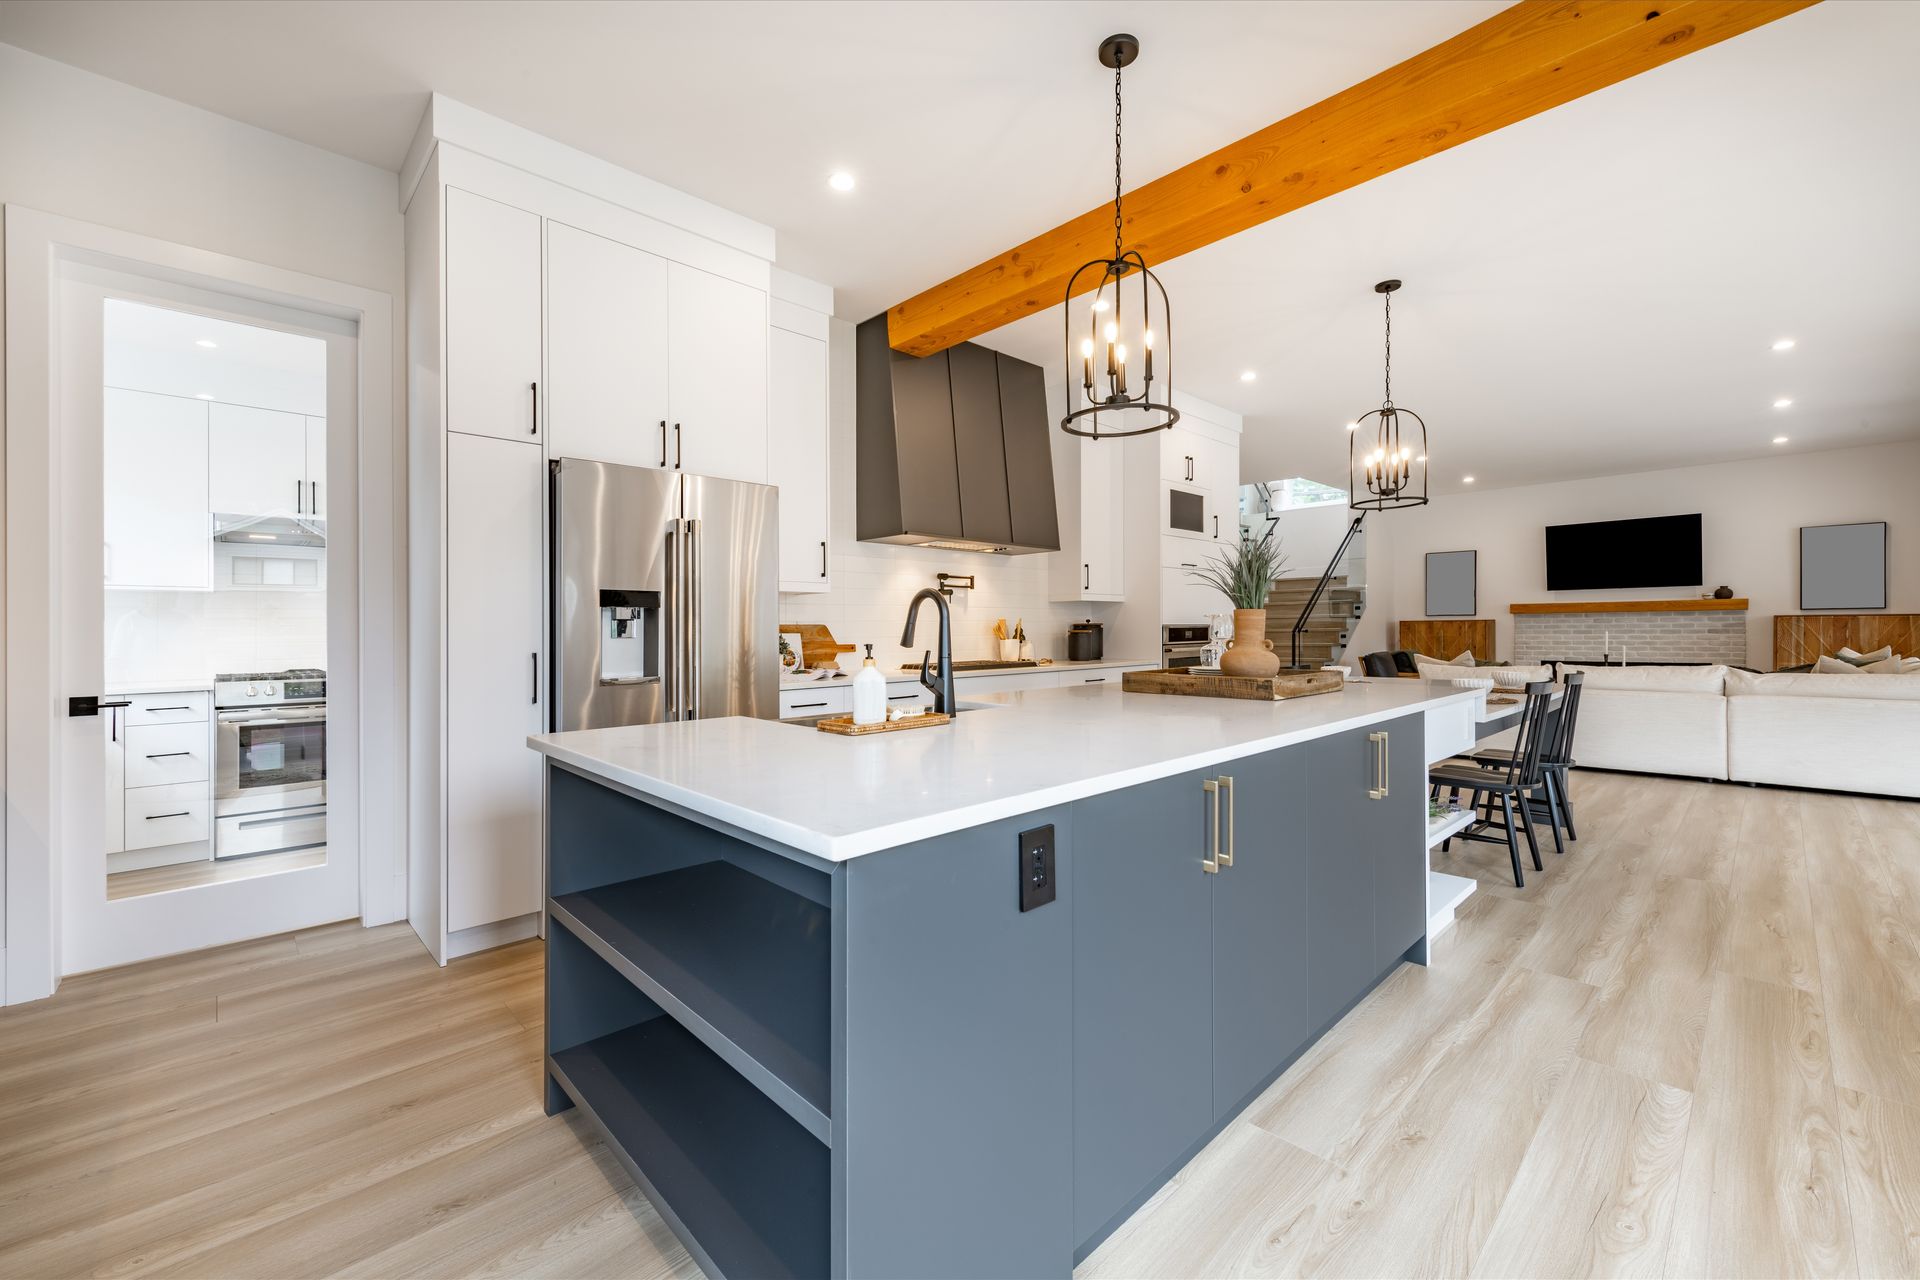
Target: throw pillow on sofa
1464,659
1836,667
1859,659
1894,666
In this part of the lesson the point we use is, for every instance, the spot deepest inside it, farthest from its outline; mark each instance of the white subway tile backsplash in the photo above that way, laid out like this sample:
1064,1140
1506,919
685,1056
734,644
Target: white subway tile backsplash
171,635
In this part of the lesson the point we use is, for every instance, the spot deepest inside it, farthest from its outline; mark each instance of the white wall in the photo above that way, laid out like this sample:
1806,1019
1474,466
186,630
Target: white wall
1751,515
81,145
872,581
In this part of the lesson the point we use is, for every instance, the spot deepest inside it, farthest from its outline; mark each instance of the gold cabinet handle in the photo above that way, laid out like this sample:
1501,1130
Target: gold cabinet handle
1377,791
1211,863
1386,764
1225,858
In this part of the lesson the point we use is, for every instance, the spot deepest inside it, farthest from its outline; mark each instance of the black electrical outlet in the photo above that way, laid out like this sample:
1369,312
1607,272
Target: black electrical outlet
1036,867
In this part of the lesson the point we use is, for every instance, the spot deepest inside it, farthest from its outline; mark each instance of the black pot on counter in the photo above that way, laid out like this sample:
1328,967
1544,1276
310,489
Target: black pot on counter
1085,641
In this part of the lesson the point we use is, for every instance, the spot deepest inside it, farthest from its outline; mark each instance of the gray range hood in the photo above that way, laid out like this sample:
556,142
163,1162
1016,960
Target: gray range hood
952,450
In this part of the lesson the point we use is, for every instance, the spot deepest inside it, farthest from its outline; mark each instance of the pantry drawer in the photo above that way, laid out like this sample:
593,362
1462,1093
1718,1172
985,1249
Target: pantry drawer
169,708
167,815
798,704
159,754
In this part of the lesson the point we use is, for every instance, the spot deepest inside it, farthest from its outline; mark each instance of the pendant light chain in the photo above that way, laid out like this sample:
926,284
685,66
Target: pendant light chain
1117,233
1389,387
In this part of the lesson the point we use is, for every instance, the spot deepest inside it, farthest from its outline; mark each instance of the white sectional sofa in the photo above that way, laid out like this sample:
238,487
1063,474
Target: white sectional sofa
1653,719
1855,732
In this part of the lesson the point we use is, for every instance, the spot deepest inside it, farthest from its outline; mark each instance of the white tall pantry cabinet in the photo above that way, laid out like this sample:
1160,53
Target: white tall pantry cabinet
551,319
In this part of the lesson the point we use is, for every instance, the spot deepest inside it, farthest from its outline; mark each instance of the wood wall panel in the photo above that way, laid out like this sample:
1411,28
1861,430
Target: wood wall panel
1444,637
1800,638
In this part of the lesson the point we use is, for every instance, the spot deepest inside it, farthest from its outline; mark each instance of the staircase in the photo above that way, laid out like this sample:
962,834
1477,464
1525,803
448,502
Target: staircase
1328,629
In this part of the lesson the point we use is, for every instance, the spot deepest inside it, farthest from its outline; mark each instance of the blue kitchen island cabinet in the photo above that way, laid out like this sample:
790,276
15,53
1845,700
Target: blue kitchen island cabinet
848,1050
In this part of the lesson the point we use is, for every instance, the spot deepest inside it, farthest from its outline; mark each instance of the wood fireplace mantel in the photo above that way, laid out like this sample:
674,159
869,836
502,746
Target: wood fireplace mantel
1630,606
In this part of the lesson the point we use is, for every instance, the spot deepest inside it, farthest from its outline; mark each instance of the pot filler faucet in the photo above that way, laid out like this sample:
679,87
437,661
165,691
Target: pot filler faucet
942,685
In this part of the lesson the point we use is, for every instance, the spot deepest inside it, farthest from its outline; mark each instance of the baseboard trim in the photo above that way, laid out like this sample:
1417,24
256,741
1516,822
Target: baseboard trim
485,937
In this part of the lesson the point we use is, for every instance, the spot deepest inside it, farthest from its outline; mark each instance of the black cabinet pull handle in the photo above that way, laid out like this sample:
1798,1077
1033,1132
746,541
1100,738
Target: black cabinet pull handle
299,494
314,486
155,817
534,430
534,660
182,707
901,697
1216,526
823,559
1086,571
679,455
162,755
663,443
1094,680
802,706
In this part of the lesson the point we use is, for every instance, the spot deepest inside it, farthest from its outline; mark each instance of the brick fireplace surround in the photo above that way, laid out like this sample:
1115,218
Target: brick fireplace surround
1692,631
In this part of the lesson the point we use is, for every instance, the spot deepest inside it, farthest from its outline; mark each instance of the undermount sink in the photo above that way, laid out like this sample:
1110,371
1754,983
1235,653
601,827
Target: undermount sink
984,664
809,722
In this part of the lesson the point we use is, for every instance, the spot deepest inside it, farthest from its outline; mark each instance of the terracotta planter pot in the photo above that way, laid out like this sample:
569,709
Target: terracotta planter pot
1251,653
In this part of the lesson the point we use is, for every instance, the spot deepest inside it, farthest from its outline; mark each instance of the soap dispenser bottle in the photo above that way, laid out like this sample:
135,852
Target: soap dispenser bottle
869,693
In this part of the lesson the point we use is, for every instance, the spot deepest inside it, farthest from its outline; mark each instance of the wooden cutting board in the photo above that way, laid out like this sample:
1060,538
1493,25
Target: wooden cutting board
1287,684
818,649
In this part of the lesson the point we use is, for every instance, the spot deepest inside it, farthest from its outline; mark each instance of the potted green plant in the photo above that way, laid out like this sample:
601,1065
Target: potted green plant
1244,574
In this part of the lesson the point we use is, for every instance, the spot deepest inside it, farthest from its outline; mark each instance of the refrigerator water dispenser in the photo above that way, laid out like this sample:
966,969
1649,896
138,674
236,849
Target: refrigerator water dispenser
630,624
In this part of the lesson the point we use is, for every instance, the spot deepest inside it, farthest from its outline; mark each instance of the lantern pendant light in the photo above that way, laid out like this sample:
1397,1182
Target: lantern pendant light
1387,448
1121,321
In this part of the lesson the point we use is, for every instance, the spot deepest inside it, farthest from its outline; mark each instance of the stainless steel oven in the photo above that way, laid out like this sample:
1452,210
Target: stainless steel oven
270,764
1183,646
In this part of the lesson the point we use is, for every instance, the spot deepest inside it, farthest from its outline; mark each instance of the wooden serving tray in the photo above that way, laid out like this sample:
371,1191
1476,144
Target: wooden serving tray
844,725
1287,684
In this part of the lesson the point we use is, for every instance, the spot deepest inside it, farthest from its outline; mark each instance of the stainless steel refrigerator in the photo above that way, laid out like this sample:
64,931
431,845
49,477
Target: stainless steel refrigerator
665,596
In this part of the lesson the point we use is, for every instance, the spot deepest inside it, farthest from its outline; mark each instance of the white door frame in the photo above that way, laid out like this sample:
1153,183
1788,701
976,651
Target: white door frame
37,727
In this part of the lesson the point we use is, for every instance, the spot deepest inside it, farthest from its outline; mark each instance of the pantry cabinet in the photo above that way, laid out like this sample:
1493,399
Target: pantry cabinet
1090,477
316,466
492,317
606,350
717,375
257,461
494,679
156,524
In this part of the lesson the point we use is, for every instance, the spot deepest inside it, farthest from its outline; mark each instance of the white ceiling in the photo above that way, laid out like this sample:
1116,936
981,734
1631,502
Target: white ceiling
1592,291
148,348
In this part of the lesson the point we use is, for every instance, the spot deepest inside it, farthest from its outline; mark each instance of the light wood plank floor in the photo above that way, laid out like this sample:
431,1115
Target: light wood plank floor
1690,1047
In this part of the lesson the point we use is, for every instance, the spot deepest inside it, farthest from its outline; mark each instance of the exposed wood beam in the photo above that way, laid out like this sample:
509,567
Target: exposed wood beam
1520,62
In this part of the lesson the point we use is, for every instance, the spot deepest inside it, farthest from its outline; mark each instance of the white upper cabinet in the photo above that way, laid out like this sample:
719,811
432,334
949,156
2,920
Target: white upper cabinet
256,461
157,527
1089,479
1218,467
797,453
606,398
316,466
492,318
717,375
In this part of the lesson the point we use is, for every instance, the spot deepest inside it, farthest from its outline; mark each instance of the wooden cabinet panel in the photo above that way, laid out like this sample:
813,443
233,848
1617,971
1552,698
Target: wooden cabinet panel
493,696
1260,922
606,398
1142,986
492,317
717,375
257,461
797,449
157,525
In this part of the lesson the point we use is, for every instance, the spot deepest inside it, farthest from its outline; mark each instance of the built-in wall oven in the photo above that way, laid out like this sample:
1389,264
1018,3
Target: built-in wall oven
1183,647
270,770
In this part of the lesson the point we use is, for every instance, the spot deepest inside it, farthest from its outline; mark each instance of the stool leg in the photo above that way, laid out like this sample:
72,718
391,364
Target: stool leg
1566,801
1553,812
1526,824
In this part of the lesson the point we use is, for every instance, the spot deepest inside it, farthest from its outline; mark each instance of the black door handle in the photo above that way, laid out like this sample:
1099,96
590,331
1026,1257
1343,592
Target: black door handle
823,559
663,443
1086,582
534,430
678,455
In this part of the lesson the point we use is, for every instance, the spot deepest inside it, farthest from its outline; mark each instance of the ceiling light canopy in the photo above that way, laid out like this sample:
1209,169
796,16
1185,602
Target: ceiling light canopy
1783,344
1466,479
1783,403
1382,473
1248,375
840,180
1137,317
208,343
1779,439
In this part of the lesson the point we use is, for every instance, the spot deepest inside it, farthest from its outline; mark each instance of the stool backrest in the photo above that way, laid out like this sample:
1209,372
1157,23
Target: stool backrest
1523,766
1562,750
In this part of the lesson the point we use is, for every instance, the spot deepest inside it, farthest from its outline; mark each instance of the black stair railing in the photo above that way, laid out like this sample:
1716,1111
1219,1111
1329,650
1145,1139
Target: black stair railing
1320,588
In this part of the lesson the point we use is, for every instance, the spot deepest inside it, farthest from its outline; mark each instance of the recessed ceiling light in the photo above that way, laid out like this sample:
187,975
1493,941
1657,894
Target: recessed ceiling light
1466,479
1783,403
203,395
1779,439
840,180
208,343
1784,344
1248,375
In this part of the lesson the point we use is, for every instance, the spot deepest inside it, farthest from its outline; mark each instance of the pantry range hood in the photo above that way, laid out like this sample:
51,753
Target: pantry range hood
276,530
953,450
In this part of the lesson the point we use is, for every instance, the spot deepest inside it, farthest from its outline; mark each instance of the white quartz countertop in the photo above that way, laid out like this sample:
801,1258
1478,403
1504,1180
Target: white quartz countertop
187,684
896,676
838,797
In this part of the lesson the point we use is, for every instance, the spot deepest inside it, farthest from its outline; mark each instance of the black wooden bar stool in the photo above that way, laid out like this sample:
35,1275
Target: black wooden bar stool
1511,782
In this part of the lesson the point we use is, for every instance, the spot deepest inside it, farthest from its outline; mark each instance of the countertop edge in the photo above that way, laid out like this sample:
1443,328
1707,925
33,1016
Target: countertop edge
846,847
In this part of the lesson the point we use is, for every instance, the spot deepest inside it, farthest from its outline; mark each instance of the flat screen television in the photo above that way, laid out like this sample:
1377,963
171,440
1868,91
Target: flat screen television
1659,551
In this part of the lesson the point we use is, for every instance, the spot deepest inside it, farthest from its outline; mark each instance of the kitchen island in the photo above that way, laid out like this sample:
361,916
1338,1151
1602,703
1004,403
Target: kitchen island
957,1001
